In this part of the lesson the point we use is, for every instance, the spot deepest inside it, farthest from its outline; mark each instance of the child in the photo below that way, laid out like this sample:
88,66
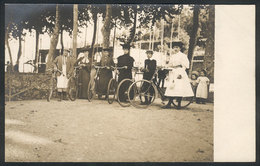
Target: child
193,81
149,70
202,89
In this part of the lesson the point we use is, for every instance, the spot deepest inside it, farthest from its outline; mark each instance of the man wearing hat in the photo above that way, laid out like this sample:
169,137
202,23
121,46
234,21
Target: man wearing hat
128,62
149,70
65,65
178,83
105,74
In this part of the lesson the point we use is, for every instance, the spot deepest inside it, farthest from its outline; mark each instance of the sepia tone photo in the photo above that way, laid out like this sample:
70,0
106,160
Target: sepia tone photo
109,82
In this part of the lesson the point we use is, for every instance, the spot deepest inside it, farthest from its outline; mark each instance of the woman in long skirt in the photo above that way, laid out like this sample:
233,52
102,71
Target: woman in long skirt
84,74
106,73
178,83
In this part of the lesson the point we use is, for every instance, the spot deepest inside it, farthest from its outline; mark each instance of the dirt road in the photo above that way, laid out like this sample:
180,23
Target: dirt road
83,131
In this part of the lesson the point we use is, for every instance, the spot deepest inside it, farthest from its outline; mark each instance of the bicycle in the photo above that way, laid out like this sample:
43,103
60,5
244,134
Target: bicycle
93,85
122,90
112,85
73,84
53,81
149,89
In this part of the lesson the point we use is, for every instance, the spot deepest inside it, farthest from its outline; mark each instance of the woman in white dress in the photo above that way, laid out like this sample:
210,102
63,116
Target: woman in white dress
177,84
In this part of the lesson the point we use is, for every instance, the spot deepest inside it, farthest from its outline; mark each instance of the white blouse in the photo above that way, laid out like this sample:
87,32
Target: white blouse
179,59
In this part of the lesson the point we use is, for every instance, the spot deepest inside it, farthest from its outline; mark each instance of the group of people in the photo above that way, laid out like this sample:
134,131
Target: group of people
178,84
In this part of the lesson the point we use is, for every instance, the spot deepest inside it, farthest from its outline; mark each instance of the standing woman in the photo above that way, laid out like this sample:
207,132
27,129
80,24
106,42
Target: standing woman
105,74
178,82
84,73
128,62
64,64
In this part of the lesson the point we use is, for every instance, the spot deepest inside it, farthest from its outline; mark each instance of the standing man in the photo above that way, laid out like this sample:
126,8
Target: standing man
178,82
106,73
128,62
64,65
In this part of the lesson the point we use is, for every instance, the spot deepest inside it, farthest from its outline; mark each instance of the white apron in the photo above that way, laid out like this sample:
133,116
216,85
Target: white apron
178,87
62,80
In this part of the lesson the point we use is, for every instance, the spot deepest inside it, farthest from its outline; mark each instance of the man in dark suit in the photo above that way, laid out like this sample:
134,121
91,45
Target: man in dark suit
128,62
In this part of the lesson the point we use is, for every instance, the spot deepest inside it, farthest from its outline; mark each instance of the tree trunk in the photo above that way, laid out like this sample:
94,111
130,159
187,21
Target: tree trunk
94,36
54,39
61,41
209,51
193,35
133,29
114,38
106,27
36,51
75,29
8,46
19,50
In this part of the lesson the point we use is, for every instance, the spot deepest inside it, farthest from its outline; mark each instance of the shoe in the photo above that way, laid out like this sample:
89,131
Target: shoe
166,107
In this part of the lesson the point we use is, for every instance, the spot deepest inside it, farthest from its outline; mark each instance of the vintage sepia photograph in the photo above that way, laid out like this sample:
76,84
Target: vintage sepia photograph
109,82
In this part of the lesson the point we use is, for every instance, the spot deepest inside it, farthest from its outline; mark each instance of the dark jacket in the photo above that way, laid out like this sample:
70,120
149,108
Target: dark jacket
149,69
125,60
69,65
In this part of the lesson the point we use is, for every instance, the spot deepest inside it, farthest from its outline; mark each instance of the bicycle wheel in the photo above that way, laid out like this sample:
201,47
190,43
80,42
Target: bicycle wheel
143,93
122,92
72,89
182,102
91,90
111,90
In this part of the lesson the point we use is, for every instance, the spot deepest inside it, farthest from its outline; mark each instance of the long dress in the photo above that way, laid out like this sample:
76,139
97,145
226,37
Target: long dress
84,76
105,74
178,83
124,60
202,89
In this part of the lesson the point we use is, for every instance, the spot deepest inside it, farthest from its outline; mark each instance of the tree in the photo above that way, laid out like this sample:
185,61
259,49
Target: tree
38,21
106,27
7,44
193,35
209,51
15,27
75,29
54,39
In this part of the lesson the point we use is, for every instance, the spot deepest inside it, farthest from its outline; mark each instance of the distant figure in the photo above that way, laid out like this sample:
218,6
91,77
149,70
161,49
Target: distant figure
8,67
16,68
193,82
202,89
